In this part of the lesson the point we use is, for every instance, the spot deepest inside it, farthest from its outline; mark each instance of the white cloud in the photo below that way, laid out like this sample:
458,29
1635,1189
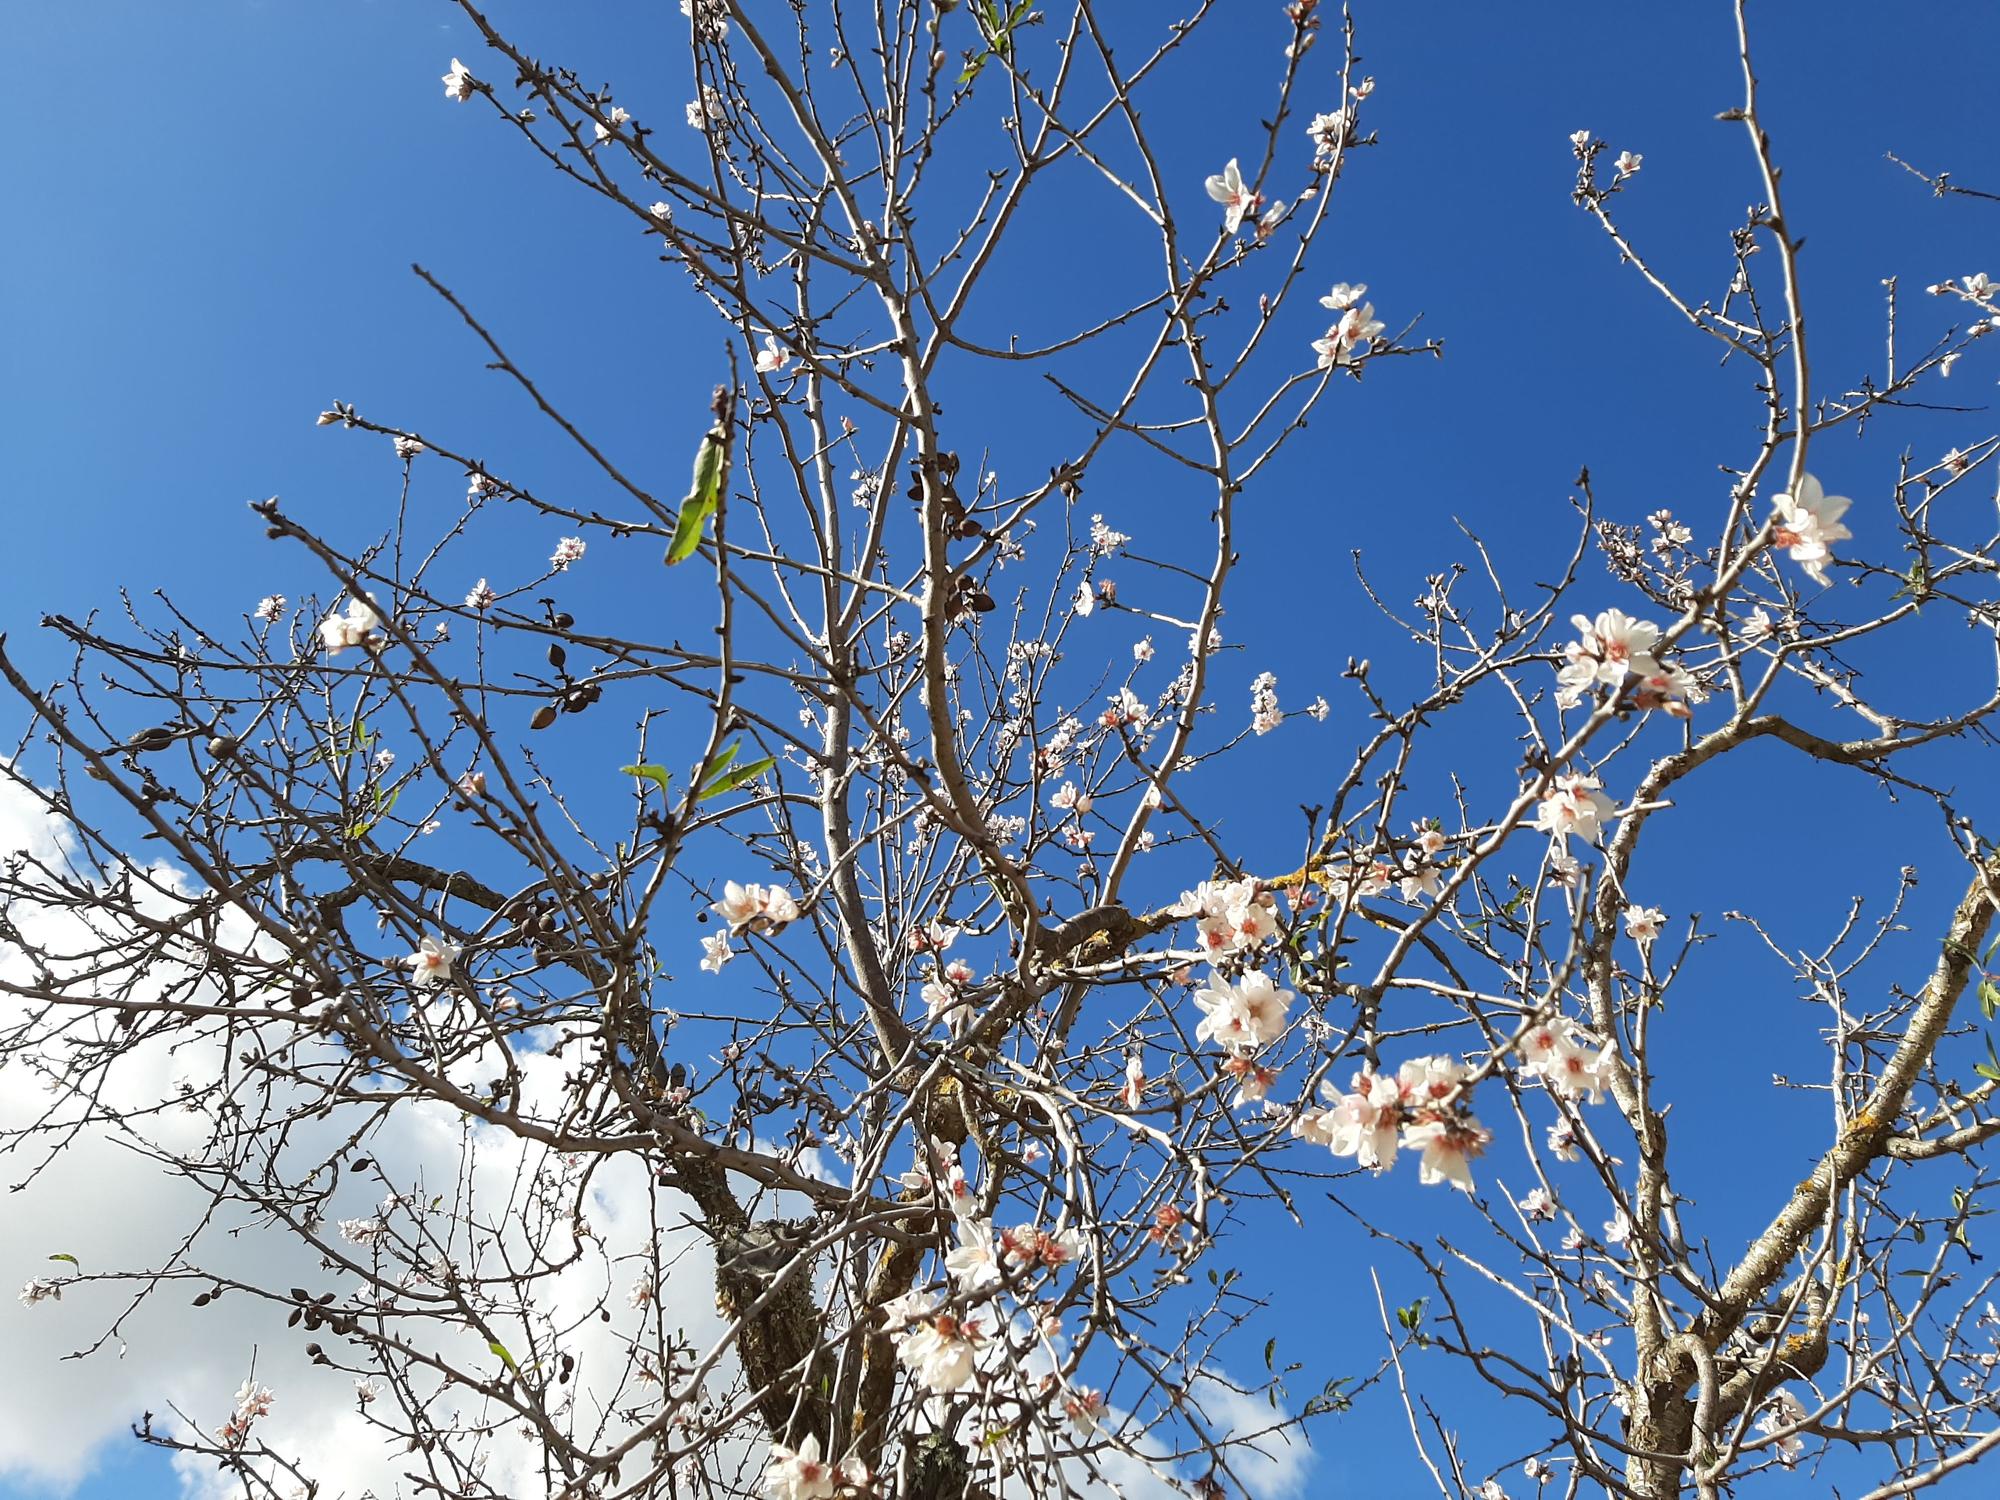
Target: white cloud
90,1189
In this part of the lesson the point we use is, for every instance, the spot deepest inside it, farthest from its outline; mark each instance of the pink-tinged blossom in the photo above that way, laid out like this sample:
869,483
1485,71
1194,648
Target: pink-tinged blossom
975,1264
252,1401
1135,1082
41,1289
431,963
1265,715
1344,295
715,952
1562,1141
1643,923
271,608
1253,1080
756,908
408,448
1232,915
1142,651
481,596
1085,1409
1628,162
1449,1148
801,1474
1573,1063
1573,805
1607,650
1671,687
1782,1414
472,785
773,357
1364,1122
1127,709
1539,1206
570,549
1328,131
1228,188
359,626
459,84
939,1352
1807,521
1357,326
1242,1016
1028,1246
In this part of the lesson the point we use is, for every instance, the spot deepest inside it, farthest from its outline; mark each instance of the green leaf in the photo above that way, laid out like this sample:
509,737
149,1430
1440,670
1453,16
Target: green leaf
711,474
723,757
1270,1348
70,1258
1332,1398
505,1358
1412,1315
1989,998
655,774
1990,1074
737,776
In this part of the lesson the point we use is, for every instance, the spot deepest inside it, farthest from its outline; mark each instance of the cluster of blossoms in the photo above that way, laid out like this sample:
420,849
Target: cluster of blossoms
756,908
1265,715
1232,916
1615,649
1807,521
1352,333
431,964
1243,1015
1783,1414
252,1401
1573,804
1424,1108
943,995
801,1474
1328,132
1570,1061
570,549
746,908
270,609
358,626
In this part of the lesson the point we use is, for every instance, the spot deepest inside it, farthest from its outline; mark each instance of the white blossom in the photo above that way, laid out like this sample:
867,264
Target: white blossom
431,963
459,84
1643,923
1573,805
357,627
1807,521
1228,188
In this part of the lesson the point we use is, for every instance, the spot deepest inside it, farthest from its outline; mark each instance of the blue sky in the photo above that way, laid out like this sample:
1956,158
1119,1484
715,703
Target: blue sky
214,206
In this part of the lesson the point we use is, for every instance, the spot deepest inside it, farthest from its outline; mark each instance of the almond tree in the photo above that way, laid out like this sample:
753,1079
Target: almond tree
887,940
